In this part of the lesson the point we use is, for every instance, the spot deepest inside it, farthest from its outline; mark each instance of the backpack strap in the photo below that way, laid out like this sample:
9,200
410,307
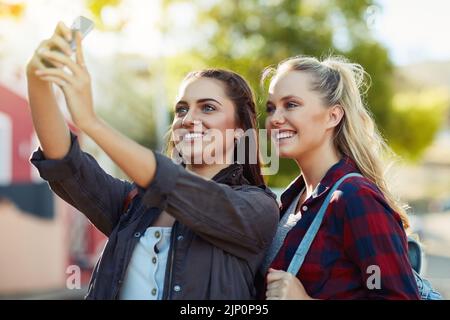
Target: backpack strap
302,250
415,254
130,196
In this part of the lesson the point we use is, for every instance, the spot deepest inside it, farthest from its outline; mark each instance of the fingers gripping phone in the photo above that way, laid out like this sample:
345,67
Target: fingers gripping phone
81,24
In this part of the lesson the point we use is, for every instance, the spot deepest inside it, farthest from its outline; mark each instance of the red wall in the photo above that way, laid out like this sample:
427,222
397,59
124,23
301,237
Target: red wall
16,108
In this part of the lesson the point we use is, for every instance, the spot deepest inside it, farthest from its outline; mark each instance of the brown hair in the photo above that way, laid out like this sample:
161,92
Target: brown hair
239,92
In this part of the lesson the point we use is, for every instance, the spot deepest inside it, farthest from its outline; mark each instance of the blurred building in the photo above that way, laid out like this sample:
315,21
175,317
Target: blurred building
40,235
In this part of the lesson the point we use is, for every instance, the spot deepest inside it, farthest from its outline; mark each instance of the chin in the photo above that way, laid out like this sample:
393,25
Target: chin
288,152
192,156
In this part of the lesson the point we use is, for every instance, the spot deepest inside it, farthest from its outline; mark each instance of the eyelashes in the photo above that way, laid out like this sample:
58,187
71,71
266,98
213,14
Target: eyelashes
206,108
181,109
270,108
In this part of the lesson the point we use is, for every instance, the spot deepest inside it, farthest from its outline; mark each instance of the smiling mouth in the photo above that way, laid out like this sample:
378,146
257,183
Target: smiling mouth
191,136
284,135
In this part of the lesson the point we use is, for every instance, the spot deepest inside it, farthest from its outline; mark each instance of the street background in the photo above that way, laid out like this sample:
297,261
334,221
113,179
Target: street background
139,52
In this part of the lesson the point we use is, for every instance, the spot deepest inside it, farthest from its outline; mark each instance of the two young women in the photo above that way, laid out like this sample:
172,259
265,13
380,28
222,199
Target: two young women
201,231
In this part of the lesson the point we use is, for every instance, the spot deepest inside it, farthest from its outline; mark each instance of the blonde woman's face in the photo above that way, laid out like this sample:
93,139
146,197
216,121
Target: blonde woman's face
297,119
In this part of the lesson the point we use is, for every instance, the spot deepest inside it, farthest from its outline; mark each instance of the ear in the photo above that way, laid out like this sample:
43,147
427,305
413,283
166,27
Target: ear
335,113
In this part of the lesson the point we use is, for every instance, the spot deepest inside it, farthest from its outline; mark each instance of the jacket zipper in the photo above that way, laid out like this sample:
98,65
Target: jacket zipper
168,294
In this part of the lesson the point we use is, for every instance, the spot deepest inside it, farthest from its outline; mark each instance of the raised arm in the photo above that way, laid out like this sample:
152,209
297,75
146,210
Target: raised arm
72,174
135,160
48,120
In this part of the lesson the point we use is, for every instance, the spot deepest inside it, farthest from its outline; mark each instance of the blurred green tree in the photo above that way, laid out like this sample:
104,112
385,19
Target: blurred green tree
247,36
416,117
97,7
128,107
130,94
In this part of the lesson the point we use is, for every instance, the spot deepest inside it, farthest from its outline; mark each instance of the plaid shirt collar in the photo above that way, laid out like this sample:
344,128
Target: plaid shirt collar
337,171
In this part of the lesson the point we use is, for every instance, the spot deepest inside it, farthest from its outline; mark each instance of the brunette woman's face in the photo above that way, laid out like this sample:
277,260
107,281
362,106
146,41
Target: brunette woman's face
204,122
298,113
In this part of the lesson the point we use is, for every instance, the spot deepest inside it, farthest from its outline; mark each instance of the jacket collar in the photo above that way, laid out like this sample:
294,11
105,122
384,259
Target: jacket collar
231,175
337,171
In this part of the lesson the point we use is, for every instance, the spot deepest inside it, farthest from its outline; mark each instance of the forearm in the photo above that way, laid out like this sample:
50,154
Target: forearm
49,122
138,162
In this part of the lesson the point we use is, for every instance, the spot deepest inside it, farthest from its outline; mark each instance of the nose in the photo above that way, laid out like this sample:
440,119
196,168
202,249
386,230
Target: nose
189,120
277,118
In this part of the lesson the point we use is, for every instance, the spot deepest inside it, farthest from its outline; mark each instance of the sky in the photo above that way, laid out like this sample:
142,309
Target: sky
414,30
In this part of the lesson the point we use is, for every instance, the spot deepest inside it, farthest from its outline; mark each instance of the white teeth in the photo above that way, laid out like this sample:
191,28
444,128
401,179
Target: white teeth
284,135
191,136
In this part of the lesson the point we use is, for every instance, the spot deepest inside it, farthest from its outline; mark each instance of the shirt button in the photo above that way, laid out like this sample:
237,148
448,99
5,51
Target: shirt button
177,288
180,238
304,208
137,234
154,260
154,292
157,234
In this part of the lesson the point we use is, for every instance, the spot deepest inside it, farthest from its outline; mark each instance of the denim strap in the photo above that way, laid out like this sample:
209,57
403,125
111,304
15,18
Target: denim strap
304,246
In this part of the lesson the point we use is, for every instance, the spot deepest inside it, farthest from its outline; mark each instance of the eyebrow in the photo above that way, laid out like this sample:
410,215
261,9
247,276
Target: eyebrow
291,97
199,101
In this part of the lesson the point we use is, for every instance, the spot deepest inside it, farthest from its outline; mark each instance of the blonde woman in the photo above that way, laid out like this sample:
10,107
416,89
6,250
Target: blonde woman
317,117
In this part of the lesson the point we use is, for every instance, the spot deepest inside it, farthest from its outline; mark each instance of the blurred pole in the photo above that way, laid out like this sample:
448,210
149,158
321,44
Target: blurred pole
160,106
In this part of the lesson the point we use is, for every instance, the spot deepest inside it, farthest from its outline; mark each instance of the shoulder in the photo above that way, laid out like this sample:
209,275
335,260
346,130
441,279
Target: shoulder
257,193
260,198
361,199
261,189
358,187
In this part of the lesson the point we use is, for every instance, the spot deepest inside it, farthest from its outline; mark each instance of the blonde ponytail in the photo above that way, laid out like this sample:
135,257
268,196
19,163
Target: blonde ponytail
344,83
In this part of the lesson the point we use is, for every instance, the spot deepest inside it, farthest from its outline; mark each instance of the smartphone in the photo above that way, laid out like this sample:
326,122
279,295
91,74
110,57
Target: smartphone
82,24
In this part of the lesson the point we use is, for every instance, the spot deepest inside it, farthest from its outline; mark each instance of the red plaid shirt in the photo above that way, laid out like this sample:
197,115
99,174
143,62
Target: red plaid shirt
359,230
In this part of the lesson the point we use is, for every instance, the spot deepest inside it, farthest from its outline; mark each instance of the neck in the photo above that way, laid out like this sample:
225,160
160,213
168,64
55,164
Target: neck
315,164
207,171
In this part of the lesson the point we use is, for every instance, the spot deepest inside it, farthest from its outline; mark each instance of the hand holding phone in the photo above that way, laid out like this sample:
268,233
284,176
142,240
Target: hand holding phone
81,24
